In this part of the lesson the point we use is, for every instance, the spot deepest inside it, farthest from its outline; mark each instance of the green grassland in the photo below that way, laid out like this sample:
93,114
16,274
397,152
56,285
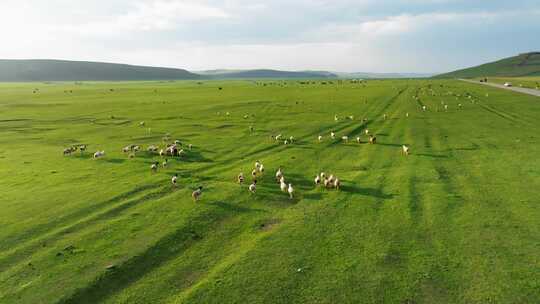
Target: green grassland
457,221
525,82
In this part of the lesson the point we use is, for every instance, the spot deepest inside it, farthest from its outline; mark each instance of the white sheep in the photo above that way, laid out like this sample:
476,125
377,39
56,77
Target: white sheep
197,193
345,138
333,135
252,187
358,139
240,178
290,190
283,186
320,138
337,183
279,174
99,154
405,149
174,179
317,179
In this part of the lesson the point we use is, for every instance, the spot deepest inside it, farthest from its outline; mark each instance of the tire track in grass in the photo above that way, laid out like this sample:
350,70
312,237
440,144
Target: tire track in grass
14,257
165,249
74,216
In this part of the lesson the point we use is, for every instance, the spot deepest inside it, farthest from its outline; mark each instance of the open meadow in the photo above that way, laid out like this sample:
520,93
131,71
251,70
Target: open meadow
456,221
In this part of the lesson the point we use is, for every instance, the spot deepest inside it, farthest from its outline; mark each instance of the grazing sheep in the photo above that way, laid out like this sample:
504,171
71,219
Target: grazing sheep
142,123
459,105
197,193
385,116
261,168
320,138
190,147
337,183
283,186
446,107
407,114
331,178
424,108
278,137
291,139
345,138
317,179
333,135
126,149
240,178
279,174
254,173
327,183
358,139
336,118
257,164
152,148
67,151
99,154
154,167
165,163
366,131
286,142
372,139
405,149
174,179
82,148
161,152
252,187
290,190
136,148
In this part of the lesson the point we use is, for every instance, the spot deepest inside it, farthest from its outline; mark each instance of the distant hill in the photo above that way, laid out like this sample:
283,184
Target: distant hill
527,64
383,75
230,74
264,73
62,70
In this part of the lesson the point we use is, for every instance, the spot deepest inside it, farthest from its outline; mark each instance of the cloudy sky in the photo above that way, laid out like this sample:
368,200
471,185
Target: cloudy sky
336,35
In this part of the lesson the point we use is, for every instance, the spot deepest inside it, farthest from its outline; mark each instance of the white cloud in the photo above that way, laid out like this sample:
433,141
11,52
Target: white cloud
167,14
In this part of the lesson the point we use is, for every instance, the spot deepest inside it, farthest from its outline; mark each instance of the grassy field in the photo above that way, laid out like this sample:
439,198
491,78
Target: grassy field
457,221
525,82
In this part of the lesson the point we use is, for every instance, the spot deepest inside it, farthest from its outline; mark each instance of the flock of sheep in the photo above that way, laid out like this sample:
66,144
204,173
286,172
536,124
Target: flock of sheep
175,149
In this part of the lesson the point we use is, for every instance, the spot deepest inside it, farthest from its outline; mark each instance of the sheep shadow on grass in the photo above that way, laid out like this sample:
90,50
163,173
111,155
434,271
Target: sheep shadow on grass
377,193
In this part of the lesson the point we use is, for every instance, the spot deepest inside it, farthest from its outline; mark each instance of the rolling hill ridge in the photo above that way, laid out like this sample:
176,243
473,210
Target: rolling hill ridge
526,64
62,70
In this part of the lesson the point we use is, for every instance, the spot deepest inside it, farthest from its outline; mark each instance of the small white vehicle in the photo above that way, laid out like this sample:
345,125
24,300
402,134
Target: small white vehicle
507,84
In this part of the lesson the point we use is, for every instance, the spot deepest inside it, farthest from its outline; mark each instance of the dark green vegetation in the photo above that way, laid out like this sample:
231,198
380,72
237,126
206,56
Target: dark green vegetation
527,64
62,70
455,222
